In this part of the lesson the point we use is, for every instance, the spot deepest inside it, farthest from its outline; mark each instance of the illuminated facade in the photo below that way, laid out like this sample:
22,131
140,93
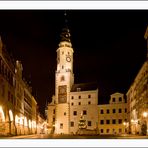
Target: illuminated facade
137,96
113,116
17,105
60,110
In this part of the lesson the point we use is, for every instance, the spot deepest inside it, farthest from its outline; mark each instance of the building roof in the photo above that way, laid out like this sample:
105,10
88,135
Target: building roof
84,87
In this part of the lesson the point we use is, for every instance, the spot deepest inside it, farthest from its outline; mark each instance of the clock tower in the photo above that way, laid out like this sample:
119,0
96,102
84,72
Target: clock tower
63,82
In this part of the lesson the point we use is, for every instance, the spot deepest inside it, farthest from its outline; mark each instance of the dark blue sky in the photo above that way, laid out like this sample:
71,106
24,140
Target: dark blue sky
109,46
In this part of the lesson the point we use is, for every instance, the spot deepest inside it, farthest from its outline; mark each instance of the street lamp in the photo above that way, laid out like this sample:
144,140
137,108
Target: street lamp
145,114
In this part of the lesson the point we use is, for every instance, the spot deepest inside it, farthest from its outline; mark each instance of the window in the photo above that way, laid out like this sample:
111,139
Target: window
75,113
107,121
89,96
62,78
54,111
102,112
114,121
79,97
120,99
72,97
64,113
78,89
120,130
107,111
125,110
120,121
72,124
120,110
62,52
79,103
53,119
62,67
89,102
107,130
114,110
61,125
89,123
101,130
84,112
72,104
101,121
114,99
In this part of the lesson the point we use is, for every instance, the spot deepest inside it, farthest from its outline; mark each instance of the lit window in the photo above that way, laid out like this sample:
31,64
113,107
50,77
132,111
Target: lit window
89,123
78,89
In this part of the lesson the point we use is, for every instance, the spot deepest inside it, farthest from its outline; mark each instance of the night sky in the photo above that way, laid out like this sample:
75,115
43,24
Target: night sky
109,47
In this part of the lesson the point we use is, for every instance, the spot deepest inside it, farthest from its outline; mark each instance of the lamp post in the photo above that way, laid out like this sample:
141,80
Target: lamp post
144,123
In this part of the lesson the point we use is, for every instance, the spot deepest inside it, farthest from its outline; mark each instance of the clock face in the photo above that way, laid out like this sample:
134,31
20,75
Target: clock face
68,58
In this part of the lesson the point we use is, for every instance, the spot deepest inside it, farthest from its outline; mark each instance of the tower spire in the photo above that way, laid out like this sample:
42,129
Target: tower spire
65,34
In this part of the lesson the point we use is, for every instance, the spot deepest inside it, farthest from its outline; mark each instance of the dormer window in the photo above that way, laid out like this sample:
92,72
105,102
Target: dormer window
78,89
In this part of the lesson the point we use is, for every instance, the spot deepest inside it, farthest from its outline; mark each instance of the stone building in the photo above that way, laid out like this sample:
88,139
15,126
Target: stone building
113,116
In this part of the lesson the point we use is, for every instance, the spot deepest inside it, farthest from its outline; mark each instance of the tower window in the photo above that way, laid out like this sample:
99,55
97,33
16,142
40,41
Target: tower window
61,125
68,53
72,124
75,113
84,112
62,78
64,113
89,102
